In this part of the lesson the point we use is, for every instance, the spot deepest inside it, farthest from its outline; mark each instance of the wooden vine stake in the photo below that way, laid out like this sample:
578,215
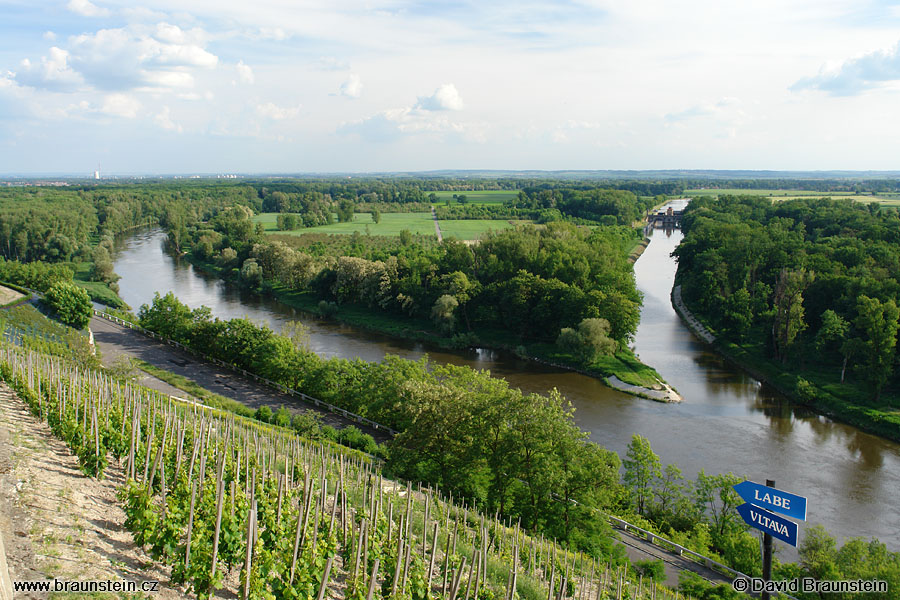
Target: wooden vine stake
325,576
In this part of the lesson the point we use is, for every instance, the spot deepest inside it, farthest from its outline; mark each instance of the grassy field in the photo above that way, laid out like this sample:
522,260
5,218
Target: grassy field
393,223
475,228
485,197
883,199
774,193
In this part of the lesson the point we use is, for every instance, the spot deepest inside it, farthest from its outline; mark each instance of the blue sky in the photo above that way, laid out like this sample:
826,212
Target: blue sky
284,86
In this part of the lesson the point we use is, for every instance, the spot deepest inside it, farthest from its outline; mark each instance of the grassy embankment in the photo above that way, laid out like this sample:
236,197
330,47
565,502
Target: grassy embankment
818,388
98,291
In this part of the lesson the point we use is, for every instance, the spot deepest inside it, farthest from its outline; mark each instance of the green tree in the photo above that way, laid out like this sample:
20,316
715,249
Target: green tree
788,322
879,322
376,216
345,210
71,303
102,269
442,312
642,467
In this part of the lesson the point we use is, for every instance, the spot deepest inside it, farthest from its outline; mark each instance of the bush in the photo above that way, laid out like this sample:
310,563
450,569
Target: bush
464,340
654,569
282,417
327,309
264,414
71,303
307,424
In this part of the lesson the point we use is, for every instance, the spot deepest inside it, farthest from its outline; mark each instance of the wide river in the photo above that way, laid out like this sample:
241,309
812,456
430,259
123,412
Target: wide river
727,422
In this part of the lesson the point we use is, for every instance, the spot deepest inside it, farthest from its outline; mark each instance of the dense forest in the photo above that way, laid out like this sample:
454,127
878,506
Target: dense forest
811,285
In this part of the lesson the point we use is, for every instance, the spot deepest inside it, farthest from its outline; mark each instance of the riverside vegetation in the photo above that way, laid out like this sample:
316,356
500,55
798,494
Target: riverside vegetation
805,292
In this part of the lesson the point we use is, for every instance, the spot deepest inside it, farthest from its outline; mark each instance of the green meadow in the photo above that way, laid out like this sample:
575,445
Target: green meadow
774,193
474,229
393,223
483,197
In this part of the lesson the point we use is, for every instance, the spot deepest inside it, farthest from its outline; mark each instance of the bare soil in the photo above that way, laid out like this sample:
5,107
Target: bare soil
57,523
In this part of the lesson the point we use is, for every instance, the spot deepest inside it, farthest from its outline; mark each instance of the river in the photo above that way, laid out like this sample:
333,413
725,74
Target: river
727,422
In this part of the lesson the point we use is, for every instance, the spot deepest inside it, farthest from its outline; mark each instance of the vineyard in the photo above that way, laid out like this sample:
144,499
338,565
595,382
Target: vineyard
236,507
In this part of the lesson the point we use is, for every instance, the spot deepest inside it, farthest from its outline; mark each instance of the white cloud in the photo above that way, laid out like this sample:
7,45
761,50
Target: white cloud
86,8
272,111
352,88
160,56
446,97
245,73
49,36
856,75
121,105
54,72
164,120
394,123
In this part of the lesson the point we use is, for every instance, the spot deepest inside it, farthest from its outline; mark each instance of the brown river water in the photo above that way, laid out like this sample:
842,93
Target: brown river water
727,422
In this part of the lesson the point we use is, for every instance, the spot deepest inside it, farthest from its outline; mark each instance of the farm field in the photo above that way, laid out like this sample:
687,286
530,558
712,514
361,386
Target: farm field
883,199
474,229
393,223
483,197
778,193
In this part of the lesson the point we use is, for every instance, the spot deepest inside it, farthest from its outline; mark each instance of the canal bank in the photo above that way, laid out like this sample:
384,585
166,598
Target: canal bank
793,386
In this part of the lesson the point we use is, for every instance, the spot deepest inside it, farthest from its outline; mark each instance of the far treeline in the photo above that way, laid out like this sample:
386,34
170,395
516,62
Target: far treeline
806,292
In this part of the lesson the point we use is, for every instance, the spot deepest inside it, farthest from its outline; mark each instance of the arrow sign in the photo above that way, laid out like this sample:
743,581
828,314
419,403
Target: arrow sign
777,527
784,503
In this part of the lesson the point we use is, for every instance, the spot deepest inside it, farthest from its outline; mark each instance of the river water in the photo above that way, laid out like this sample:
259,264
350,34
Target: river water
727,422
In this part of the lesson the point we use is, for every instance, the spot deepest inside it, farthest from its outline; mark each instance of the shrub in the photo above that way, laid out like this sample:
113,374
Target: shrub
654,569
71,303
264,414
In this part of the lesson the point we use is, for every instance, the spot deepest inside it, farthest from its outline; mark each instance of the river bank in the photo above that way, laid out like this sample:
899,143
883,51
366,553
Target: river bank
794,386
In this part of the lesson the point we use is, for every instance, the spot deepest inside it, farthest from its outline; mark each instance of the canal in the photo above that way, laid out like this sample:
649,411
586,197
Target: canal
727,422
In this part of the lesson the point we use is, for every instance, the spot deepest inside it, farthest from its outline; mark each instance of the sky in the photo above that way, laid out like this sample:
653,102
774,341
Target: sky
288,86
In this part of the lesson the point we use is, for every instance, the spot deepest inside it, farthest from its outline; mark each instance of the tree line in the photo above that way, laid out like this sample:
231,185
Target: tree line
811,284
529,281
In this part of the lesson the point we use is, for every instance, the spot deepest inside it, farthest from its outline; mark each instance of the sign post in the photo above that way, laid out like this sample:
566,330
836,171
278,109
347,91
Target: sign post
759,501
767,551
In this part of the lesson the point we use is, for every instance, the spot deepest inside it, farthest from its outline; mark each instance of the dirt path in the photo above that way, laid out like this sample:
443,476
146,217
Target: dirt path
57,523
437,226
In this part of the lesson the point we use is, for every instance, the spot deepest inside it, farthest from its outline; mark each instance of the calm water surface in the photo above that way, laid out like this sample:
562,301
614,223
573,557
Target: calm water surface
727,422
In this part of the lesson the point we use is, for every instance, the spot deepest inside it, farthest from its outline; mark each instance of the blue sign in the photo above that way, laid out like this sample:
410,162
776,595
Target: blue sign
784,503
777,527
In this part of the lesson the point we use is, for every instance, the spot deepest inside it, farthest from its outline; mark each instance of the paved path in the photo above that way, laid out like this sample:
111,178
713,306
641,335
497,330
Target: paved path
437,226
115,341
695,325
640,549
